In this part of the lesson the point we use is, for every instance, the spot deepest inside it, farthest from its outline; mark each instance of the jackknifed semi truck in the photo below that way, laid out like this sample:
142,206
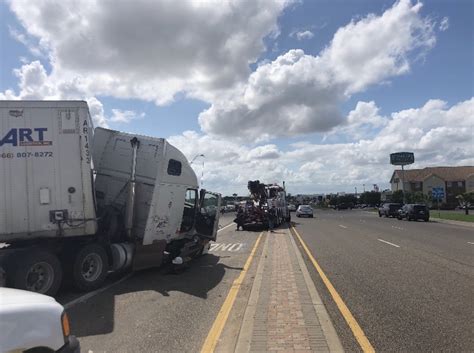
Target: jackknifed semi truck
77,203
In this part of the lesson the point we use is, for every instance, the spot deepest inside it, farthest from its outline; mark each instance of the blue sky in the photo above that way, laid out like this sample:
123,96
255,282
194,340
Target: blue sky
234,105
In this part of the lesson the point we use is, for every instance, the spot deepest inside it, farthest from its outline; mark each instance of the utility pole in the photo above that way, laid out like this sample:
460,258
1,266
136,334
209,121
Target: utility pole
403,184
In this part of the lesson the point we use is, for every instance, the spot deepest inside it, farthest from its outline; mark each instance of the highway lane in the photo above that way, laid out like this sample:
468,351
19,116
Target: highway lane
160,311
409,284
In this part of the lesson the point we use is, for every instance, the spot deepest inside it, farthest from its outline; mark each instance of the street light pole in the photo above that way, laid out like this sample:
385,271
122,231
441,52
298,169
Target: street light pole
196,156
202,171
403,184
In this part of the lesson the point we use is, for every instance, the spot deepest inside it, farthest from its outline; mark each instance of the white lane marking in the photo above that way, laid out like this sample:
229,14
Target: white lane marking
225,227
232,247
340,225
470,243
400,228
91,294
387,242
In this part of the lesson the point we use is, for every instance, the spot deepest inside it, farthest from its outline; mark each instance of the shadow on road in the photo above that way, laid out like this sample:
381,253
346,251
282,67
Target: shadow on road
96,315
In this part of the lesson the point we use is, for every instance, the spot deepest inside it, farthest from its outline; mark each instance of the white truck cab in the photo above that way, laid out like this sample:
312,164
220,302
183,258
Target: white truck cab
78,201
33,322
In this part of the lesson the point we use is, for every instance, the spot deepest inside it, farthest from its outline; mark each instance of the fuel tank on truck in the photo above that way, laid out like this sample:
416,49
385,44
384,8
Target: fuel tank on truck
163,175
45,170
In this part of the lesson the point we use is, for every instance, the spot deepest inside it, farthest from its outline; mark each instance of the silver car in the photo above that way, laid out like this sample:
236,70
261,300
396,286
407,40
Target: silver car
304,211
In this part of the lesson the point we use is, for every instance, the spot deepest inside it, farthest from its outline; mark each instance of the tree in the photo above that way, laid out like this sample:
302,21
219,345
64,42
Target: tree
397,196
465,200
370,197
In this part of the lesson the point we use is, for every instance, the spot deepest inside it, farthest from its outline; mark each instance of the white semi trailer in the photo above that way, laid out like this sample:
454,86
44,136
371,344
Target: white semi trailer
77,203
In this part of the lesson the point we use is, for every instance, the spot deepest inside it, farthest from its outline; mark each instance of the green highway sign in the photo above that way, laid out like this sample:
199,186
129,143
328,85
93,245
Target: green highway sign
402,158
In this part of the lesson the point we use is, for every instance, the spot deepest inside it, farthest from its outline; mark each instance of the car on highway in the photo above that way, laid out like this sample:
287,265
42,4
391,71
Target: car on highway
343,206
414,212
292,208
304,211
34,322
389,209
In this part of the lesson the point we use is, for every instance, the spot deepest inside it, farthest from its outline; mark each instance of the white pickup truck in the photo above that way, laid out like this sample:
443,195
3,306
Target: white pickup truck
32,322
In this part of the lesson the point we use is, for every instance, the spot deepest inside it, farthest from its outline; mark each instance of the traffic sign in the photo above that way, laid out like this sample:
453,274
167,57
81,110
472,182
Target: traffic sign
437,193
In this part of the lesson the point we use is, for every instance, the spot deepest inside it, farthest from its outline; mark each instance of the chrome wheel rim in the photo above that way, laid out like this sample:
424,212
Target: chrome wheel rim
91,267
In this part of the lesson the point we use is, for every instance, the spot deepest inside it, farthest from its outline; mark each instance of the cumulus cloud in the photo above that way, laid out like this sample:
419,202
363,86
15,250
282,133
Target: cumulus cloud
34,83
302,35
437,133
125,116
148,49
299,93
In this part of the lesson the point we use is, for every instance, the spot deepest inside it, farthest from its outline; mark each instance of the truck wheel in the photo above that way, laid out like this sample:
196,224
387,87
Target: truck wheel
90,267
38,271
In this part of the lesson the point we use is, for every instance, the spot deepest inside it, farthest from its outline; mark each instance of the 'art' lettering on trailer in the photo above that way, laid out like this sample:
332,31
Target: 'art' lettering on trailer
25,137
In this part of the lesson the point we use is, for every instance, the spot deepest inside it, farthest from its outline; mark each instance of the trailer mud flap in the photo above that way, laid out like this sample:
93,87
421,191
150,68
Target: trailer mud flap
147,256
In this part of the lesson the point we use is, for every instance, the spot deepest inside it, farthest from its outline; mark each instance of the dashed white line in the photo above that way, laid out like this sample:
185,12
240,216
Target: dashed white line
340,225
387,242
469,242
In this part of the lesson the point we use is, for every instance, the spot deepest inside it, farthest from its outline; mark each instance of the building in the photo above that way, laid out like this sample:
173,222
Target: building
453,180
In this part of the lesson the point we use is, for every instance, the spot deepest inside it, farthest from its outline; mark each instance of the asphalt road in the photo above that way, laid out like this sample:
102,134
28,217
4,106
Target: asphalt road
158,311
410,285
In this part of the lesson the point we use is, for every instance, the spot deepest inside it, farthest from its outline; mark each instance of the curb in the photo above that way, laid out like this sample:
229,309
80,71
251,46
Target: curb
332,338
247,325
449,221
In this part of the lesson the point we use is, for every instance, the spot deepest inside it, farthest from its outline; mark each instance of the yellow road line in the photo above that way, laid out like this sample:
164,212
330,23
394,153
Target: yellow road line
351,321
216,329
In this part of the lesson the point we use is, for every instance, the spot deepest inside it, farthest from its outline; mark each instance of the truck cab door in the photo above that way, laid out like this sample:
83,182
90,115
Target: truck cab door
207,218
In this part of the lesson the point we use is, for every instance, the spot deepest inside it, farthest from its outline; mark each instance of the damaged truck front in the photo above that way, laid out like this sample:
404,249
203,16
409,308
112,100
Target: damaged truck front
76,203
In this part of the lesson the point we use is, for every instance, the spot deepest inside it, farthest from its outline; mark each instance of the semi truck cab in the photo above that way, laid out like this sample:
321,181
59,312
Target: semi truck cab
77,201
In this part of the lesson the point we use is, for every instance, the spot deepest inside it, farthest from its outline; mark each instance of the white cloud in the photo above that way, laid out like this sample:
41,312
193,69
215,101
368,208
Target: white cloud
302,35
444,25
299,93
437,133
125,116
20,37
363,121
148,49
96,109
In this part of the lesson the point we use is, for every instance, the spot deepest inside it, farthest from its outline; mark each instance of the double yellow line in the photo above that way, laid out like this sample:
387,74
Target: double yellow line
346,313
219,323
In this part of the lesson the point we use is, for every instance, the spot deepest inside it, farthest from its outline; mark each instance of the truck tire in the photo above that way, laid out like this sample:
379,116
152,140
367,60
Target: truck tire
37,271
90,267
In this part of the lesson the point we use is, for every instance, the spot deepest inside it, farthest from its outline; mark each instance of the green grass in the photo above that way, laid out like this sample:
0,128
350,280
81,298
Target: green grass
453,215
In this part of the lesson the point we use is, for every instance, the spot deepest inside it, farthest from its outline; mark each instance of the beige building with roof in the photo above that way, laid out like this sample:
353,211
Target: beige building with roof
453,180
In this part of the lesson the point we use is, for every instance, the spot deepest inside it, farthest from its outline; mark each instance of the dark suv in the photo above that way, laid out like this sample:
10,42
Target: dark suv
414,212
389,209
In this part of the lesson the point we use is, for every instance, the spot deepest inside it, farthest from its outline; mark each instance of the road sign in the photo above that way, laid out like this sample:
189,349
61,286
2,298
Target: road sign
402,158
437,193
